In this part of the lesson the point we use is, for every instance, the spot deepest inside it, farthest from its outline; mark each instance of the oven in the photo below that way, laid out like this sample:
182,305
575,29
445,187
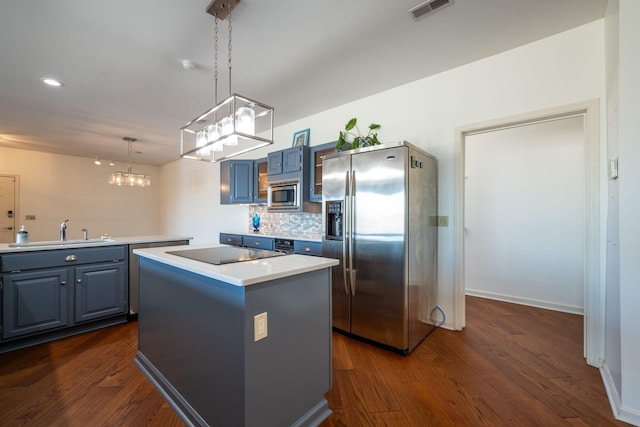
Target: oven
284,196
283,245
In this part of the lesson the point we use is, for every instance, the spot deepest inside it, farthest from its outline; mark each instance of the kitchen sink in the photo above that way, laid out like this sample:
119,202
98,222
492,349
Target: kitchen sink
58,243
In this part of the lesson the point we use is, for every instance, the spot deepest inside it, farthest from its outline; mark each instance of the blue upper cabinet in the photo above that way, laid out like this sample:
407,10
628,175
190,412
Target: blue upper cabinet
316,155
236,182
286,161
243,181
260,180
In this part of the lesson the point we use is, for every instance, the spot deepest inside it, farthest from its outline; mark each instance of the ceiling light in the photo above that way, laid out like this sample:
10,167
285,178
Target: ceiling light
51,82
97,161
111,163
129,178
231,127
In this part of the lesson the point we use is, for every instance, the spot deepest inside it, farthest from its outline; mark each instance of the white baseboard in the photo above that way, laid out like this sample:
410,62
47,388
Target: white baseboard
549,305
621,412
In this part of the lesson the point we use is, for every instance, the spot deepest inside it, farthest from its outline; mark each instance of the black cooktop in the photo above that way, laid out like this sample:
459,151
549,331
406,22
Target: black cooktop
224,254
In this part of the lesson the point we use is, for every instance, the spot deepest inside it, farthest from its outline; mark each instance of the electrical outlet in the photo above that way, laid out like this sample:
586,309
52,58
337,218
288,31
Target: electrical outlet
259,326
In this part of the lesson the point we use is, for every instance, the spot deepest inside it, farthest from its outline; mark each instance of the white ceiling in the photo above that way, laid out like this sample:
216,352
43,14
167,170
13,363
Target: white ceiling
121,61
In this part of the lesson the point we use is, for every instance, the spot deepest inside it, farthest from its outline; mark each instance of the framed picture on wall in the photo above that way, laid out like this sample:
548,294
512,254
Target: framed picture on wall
301,138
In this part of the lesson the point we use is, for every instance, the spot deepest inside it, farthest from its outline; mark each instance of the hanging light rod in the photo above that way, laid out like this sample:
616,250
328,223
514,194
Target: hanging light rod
234,126
222,8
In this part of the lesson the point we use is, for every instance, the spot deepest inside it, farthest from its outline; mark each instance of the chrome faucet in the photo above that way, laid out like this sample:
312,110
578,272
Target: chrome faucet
85,234
63,231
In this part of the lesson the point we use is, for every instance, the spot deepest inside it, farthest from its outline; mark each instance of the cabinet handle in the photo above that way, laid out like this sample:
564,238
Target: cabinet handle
63,283
307,249
257,243
228,239
70,258
79,280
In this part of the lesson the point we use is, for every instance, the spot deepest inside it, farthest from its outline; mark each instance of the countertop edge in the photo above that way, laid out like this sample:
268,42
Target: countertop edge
243,273
6,249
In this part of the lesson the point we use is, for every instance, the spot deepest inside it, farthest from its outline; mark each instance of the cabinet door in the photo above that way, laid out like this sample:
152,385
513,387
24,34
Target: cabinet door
292,160
231,239
304,247
34,302
317,154
100,291
241,181
274,163
258,242
260,180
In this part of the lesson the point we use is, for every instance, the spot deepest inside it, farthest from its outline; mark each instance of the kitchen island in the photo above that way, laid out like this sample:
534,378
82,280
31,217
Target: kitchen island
239,344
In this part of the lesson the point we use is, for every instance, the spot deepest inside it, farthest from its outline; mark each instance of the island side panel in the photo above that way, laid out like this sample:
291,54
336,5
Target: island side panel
289,371
191,330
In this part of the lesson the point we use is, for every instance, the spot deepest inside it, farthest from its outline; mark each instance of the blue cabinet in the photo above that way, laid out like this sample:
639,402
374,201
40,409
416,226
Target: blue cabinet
260,180
243,181
286,161
34,302
316,156
54,290
99,291
236,181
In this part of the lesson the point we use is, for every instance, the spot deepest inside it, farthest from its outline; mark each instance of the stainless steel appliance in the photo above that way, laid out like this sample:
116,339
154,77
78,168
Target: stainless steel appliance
283,245
379,220
284,195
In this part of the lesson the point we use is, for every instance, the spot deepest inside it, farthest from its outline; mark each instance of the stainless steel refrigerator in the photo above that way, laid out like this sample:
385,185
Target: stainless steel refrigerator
379,220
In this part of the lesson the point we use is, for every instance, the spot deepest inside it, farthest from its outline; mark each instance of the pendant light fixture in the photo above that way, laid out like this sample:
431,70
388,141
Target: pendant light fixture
234,126
129,178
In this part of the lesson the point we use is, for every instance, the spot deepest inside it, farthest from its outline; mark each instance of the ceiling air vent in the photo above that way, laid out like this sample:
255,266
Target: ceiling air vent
428,7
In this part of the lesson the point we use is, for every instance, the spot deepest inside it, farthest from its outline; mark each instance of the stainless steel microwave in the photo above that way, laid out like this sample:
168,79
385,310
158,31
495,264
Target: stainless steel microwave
284,195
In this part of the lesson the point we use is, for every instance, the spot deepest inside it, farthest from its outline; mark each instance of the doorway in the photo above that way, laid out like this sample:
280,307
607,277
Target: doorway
8,207
524,214
593,302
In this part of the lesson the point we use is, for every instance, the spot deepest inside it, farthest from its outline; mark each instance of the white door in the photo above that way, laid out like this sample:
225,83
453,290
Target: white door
524,214
7,209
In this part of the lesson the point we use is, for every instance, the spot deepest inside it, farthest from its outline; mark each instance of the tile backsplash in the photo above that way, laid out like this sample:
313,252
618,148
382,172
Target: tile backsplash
274,223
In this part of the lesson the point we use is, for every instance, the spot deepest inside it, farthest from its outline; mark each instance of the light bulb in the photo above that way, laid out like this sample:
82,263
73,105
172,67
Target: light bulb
227,129
246,120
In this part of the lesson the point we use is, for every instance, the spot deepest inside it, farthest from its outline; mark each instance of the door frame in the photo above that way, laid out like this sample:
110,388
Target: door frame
594,284
16,199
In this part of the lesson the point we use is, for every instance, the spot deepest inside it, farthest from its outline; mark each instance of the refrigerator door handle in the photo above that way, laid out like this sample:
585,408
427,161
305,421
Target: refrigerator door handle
346,233
352,209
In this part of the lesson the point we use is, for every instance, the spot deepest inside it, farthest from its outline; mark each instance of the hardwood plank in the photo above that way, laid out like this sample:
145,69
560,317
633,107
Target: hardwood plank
512,365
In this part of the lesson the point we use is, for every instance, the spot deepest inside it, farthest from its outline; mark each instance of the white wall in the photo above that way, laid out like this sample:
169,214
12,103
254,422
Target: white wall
629,201
190,203
559,70
55,187
524,214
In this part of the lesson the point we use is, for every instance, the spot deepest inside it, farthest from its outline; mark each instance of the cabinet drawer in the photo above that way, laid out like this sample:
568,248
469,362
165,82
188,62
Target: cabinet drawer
304,247
231,239
258,242
60,258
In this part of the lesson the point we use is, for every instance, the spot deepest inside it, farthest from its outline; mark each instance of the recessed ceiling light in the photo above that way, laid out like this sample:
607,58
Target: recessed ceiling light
51,82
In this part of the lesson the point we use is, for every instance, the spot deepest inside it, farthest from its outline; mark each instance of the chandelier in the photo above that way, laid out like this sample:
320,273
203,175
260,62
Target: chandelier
128,177
234,126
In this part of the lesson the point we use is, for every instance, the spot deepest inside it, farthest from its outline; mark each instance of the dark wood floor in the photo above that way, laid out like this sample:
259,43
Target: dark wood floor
511,366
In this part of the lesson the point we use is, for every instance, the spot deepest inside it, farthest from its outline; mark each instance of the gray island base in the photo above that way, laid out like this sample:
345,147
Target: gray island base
197,344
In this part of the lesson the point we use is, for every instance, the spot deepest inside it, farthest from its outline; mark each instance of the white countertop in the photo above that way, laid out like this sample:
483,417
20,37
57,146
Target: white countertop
310,237
72,244
240,273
